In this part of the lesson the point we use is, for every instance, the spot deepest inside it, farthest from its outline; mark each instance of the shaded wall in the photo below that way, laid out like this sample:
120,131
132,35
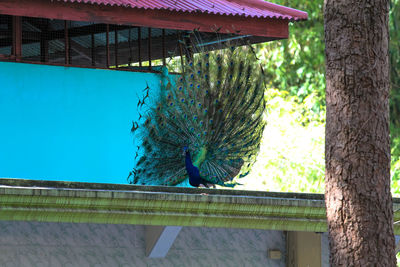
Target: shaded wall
73,124
69,244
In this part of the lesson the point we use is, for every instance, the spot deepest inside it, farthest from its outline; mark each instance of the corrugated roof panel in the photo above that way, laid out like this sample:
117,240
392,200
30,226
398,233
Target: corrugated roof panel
247,8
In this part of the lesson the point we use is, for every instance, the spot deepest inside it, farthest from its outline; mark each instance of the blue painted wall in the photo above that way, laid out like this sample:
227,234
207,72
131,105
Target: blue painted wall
71,124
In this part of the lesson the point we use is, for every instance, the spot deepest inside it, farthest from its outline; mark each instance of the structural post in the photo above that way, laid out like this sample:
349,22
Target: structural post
66,43
44,42
303,249
17,37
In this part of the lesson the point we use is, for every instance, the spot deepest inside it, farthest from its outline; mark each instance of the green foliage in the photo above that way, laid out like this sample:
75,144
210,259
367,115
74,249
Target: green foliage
292,153
297,65
291,157
394,53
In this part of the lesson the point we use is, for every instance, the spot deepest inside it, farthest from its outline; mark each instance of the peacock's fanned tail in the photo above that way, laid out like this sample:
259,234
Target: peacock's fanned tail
215,108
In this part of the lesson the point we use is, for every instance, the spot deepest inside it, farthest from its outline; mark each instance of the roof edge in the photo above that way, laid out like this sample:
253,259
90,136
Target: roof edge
205,22
157,206
259,4
54,201
300,15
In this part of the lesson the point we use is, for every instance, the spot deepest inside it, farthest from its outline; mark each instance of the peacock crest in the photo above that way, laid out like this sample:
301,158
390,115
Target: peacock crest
214,108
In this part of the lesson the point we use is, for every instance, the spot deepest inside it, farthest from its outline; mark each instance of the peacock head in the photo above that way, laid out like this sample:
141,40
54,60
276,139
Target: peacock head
185,150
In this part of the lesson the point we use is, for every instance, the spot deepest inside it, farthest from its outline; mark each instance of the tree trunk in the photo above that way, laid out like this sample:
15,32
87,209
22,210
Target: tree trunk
358,199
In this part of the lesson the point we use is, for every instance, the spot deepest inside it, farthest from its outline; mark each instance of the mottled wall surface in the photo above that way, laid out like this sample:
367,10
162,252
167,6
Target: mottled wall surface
325,250
73,124
67,244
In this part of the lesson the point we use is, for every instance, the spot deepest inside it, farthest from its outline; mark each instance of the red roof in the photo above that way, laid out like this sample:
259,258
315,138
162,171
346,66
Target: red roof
246,8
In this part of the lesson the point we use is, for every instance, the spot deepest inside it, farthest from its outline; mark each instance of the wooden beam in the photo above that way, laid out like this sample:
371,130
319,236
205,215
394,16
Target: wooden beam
149,46
164,53
267,27
108,46
44,42
159,239
93,49
17,38
66,44
139,46
116,47
304,249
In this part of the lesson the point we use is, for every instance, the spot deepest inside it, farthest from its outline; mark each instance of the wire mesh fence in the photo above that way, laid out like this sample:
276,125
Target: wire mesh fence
5,35
89,44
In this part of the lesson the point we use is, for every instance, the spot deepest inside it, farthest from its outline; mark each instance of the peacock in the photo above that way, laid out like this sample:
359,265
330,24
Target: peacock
208,123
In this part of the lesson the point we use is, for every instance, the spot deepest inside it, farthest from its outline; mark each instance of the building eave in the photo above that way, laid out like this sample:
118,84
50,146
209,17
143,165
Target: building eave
272,28
49,201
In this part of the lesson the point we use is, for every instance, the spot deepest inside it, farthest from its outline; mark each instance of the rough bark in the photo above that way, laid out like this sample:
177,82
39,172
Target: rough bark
357,150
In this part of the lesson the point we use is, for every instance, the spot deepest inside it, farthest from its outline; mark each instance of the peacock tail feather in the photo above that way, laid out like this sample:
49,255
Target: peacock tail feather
215,108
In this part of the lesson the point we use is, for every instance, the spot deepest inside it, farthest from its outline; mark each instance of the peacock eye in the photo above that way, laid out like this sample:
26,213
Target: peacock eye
191,85
171,104
180,88
198,86
199,105
182,100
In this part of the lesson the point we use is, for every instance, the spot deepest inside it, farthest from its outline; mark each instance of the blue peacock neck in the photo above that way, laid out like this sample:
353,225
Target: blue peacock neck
188,160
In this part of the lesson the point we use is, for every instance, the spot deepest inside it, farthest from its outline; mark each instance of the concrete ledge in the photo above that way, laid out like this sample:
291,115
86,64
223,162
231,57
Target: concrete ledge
49,201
